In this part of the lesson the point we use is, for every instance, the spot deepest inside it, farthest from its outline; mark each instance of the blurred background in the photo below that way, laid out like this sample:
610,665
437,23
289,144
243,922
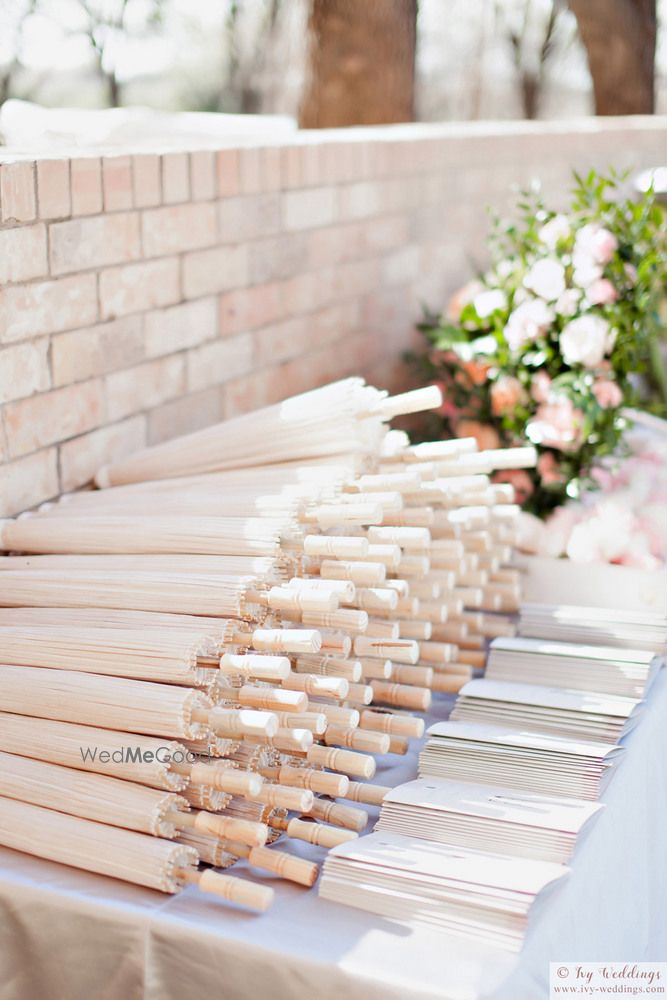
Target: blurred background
339,62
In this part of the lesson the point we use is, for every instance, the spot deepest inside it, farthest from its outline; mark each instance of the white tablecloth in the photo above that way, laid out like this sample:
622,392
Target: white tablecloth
68,935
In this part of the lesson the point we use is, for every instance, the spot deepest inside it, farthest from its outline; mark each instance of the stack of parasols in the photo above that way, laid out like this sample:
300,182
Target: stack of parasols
208,652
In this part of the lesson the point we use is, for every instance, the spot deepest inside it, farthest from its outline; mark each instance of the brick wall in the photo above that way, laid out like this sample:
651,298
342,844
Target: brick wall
149,294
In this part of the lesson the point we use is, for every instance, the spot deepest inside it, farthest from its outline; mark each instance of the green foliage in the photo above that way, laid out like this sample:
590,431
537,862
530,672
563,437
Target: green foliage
561,332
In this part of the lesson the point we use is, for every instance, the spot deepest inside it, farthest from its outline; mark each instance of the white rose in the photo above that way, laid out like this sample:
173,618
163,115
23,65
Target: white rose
586,269
585,340
554,230
546,278
489,301
568,302
528,321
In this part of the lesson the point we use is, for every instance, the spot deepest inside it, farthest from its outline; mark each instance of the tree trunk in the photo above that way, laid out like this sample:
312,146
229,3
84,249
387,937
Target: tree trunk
361,63
620,38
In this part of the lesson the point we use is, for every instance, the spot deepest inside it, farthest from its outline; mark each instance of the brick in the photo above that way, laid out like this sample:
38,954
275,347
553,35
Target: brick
250,392
360,200
271,168
145,386
175,178
117,183
138,287
24,370
17,192
278,257
401,266
390,232
202,175
311,165
53,194
334,244
310,208
23,253
290,167
310,290
335,321
248,308
180,416
147,184
86,181
250,170
28,481
53,416
83,354
206,272
227,172
357,277
87,243
47,306
177,228
81,457
186,325
282,341
248,217
219,361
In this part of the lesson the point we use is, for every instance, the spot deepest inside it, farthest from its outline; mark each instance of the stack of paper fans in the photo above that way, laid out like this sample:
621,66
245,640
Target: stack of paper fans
595,626
495,819
492,754
237,624
485,896
607,669
515,772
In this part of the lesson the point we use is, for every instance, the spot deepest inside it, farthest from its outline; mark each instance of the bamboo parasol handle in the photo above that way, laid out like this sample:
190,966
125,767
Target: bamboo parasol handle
225,779
316,833
285,865
346,816
234,890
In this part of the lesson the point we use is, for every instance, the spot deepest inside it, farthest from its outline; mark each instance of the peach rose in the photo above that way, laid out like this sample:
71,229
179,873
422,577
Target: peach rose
549,469
485,435
477,371
461,298
556,424
607,393
506,394
520,480
540,387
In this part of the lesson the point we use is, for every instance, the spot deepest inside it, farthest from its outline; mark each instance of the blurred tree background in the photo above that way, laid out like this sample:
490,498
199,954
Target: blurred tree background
339,62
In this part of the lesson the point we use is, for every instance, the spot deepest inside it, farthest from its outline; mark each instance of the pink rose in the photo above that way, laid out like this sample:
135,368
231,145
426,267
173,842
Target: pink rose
549,469
506,394
630,273
485,435
556,424
596,242
607,393
520,480
601,292
540,387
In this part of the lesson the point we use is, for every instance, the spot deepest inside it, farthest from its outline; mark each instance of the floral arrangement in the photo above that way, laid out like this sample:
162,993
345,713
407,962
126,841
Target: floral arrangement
558,336
624,520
